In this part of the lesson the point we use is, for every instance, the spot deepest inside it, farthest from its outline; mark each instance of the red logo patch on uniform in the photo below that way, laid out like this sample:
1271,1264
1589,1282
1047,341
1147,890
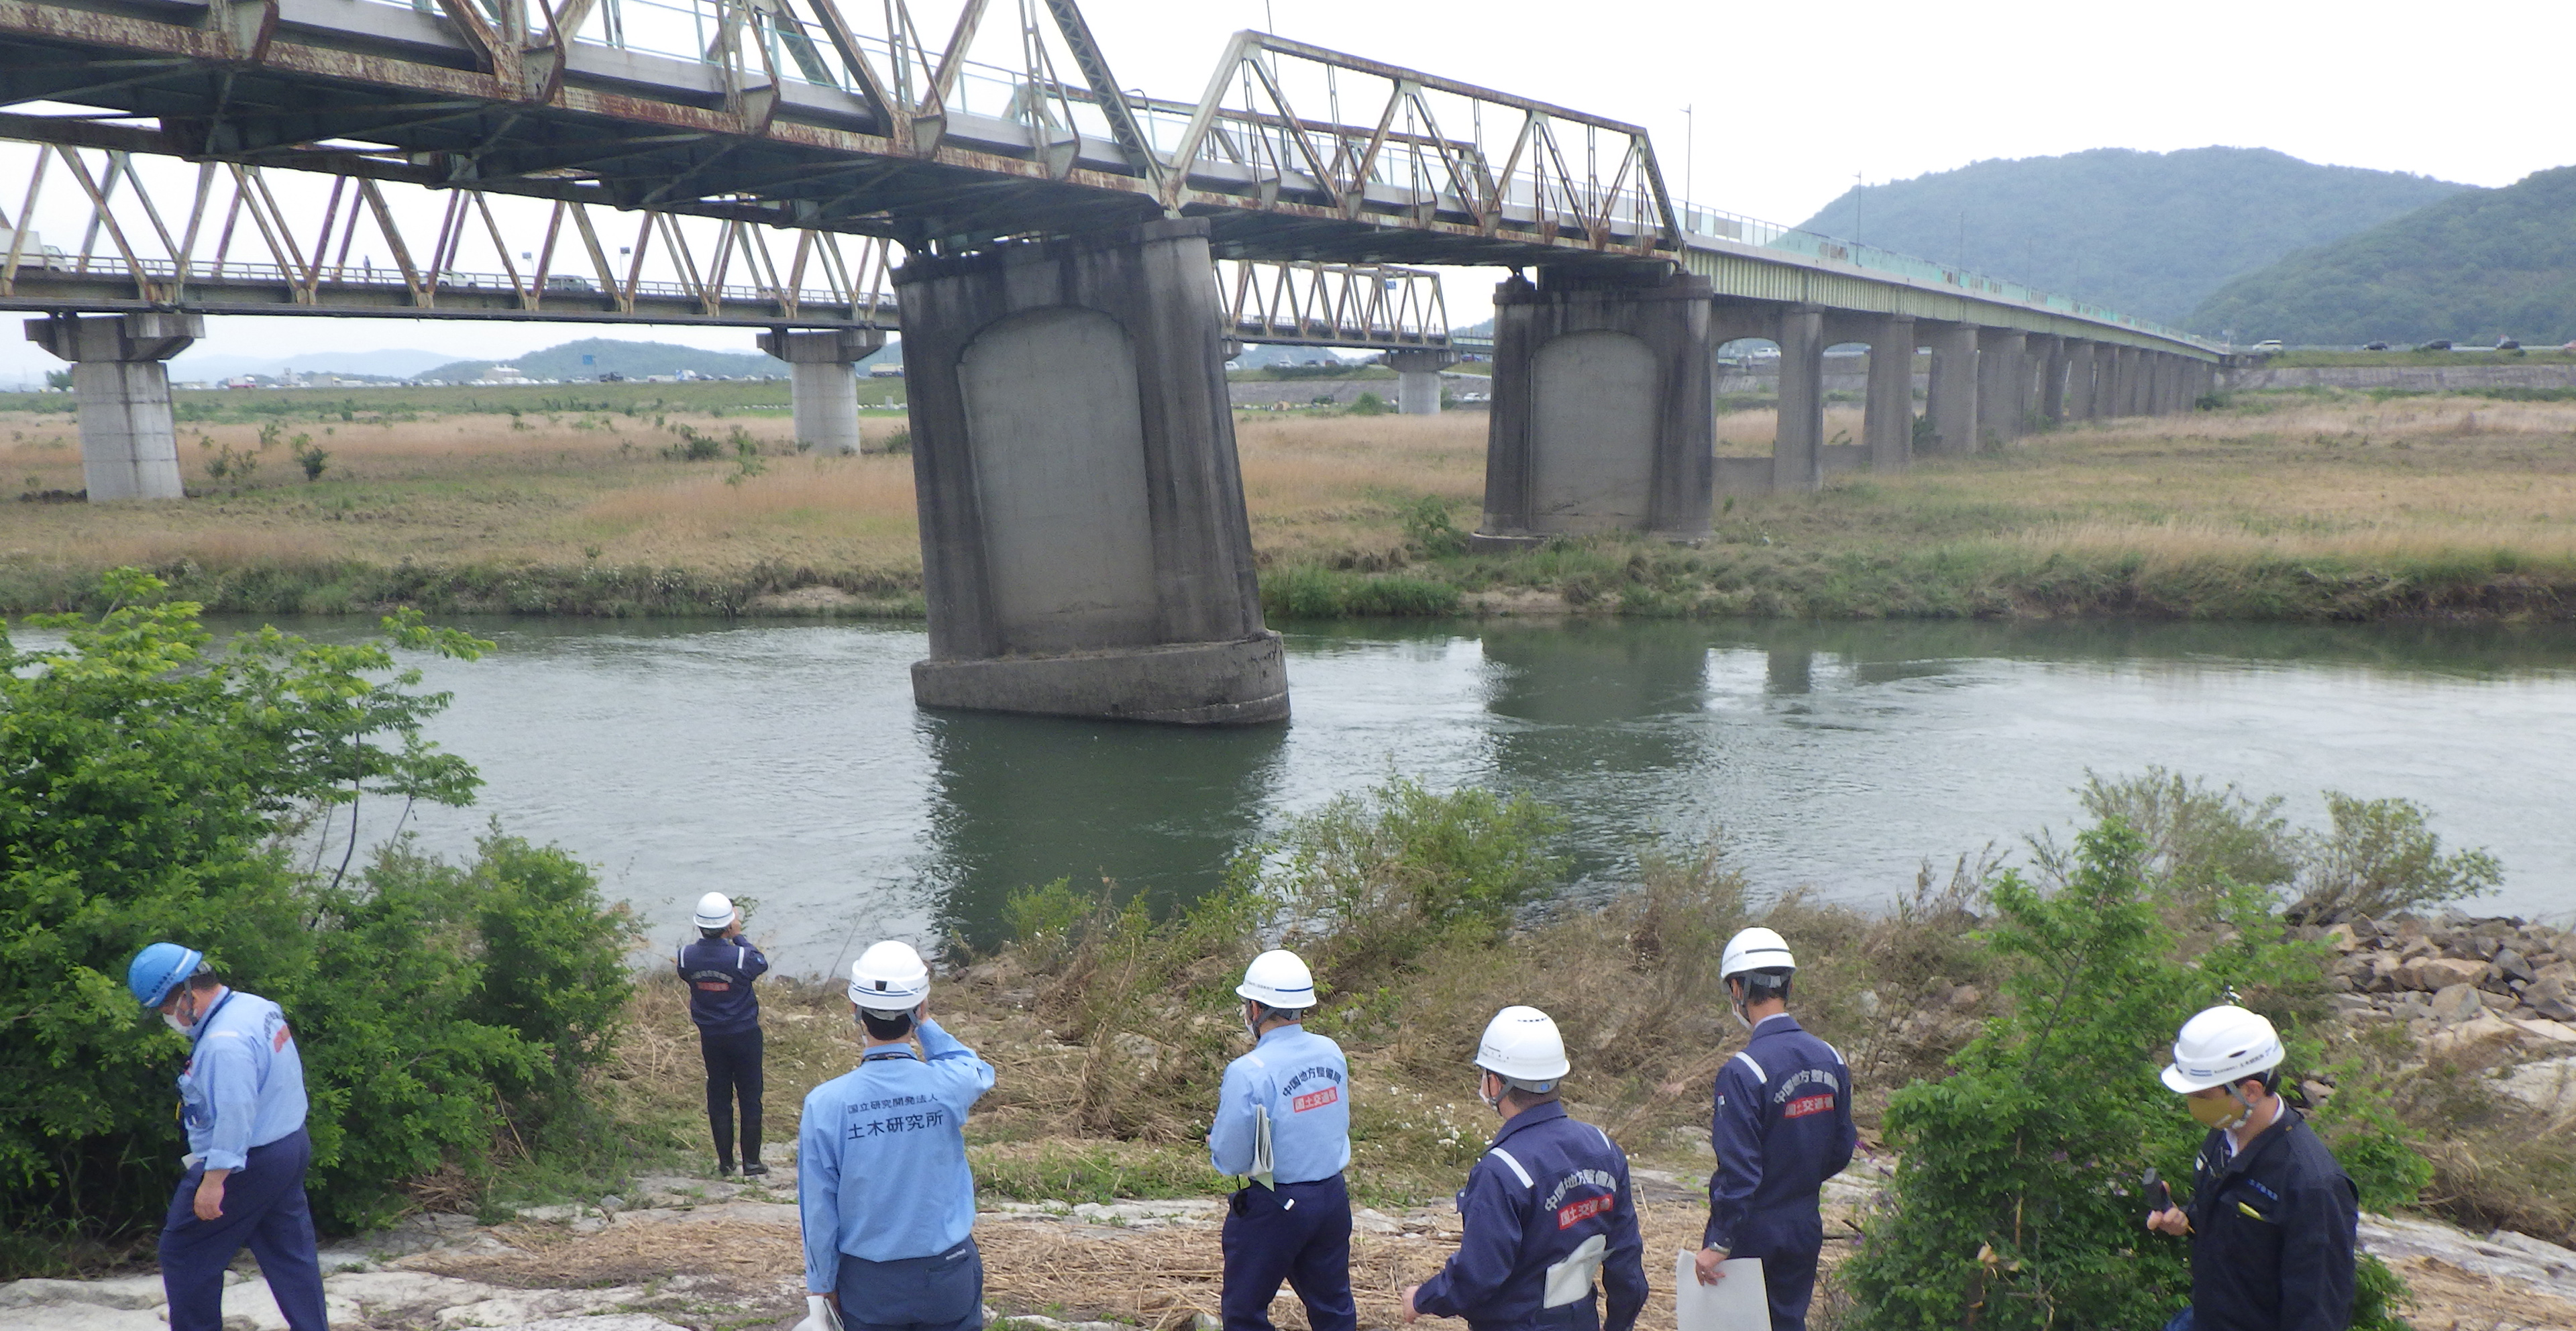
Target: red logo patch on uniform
714,986
277,1043
1574,1213
1813,1104
1330,1095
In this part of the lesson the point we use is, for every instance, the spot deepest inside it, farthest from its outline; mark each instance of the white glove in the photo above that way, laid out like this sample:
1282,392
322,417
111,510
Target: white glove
819,1315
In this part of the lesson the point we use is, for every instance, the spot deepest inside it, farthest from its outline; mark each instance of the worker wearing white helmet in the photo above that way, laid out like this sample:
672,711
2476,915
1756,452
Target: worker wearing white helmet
1545,1210
1781,1124
881,1174
1283,1120
718,967
2272,1217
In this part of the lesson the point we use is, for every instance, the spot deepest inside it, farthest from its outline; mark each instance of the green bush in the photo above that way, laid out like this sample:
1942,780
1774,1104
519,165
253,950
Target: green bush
2380,859
1429,530
1368,404
1307,592
2014,1204
152,788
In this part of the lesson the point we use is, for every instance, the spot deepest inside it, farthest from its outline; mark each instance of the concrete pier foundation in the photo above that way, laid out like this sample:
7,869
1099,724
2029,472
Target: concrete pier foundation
2079,380
1954,389
1887,422
1417,382
2048,353
821,367
129,449
1602,416
2124,382
1084,546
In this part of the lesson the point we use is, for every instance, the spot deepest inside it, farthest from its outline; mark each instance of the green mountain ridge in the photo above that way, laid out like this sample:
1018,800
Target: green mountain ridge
2474,267
635,360
2149,234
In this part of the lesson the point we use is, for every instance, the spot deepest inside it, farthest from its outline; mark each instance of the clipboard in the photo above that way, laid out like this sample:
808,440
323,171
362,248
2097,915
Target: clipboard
1737,1303
1264,1171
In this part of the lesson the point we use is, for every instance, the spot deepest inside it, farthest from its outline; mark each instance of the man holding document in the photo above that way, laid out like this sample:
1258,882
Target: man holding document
1283,1120
1782,1126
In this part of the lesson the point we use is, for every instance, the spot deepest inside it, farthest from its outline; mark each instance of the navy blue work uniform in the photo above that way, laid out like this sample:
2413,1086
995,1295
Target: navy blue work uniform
2272,1233
1782,1126
242,1102
1298,1229
719,972
888,1201
1546,1207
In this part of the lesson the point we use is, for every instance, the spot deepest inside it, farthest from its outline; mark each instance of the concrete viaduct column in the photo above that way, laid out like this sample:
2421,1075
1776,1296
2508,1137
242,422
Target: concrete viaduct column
1954,389
129,449
2124,382
2003,386
2050,352
2079,398
1887,423
1603,415
823,381
1798,449
1084,546
1417,383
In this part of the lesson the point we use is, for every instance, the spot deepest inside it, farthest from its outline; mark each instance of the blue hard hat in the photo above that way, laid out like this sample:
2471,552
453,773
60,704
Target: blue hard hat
158,969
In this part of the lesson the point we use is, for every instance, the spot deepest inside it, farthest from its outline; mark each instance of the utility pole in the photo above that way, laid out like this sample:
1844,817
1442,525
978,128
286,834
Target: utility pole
1690,159
1855,207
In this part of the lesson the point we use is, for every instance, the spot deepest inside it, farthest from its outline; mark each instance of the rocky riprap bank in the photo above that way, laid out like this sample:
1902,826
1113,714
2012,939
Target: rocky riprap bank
2499,991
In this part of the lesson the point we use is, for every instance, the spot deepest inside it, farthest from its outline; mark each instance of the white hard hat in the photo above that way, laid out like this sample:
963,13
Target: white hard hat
1755,949
1278,979
889,978
2222,1045
1521,1044
715,911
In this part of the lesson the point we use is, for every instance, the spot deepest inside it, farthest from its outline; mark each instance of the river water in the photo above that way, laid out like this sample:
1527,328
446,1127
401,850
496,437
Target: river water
787,763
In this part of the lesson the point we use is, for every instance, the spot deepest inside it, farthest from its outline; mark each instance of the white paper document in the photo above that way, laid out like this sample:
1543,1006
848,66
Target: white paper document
1736,1303
1263,1172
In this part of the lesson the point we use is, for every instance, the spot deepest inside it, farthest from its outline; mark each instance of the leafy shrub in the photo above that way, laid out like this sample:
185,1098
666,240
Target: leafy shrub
1369,404
1429,530
2199,840
2013,1205
2380,859
151,788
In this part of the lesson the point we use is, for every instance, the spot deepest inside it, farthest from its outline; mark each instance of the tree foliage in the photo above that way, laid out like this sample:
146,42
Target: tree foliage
152,787
2016,1204
2475,266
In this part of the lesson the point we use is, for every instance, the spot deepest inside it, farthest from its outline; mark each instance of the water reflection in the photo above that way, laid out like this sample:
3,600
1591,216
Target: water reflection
1019,800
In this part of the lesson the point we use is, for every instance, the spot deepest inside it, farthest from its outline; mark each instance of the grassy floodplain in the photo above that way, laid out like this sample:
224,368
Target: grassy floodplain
583,499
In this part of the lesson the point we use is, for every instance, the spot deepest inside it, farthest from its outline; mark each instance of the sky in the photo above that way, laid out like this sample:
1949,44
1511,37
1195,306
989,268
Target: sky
1788,104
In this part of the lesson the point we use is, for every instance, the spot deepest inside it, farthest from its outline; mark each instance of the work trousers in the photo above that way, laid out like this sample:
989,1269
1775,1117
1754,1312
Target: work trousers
941,1293
1789,1282
1297,1232
264,1207
733,1071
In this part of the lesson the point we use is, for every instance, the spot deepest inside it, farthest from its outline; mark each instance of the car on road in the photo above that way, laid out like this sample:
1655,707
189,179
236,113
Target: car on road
2270,346
2374,346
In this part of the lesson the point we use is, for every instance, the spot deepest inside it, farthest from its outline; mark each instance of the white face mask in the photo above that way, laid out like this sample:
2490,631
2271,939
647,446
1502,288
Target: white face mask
177,1024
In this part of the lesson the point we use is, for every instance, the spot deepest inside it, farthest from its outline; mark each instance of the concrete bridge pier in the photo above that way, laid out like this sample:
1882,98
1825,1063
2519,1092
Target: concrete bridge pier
1887,421
823,379
1603,416
2079,395
2003,386
1084,546
1798,446
2048,354
1417,383
129,449
1954,389
2124,382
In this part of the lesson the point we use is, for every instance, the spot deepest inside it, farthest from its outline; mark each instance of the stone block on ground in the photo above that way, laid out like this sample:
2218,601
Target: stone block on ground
2457,1003
142,1292
610,1322
74,1316
2548,1086
2437,973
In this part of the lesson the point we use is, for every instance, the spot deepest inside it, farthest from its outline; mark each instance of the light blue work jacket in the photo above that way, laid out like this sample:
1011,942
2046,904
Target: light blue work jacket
881,1157
1302,1079
244,1083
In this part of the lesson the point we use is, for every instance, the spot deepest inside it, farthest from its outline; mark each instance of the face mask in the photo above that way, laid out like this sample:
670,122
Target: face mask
177,1024
2221,1115
1492,1102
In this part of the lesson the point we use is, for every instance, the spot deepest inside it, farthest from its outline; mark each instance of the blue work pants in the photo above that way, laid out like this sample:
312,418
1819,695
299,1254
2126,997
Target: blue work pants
264,1207
1297,1232
1789,1282
938,1293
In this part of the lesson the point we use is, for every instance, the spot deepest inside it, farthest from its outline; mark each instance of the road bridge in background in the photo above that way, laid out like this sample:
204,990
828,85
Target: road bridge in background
1084,544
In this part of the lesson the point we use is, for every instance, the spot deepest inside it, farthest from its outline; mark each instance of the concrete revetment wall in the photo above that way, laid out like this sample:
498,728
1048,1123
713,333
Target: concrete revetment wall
1602,416
1084,545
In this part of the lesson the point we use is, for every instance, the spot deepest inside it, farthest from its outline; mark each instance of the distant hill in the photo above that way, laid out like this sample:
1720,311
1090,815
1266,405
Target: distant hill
392,364
635,360
2472,267
2150,234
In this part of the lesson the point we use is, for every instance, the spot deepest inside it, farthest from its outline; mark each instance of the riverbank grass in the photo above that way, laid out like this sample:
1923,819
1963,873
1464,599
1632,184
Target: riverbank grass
2304,505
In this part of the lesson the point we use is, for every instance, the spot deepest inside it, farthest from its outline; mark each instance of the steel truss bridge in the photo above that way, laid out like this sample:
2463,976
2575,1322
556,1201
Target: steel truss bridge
798,125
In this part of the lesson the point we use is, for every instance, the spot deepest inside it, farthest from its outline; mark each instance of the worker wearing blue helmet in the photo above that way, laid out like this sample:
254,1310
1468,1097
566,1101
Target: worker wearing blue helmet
241,1099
